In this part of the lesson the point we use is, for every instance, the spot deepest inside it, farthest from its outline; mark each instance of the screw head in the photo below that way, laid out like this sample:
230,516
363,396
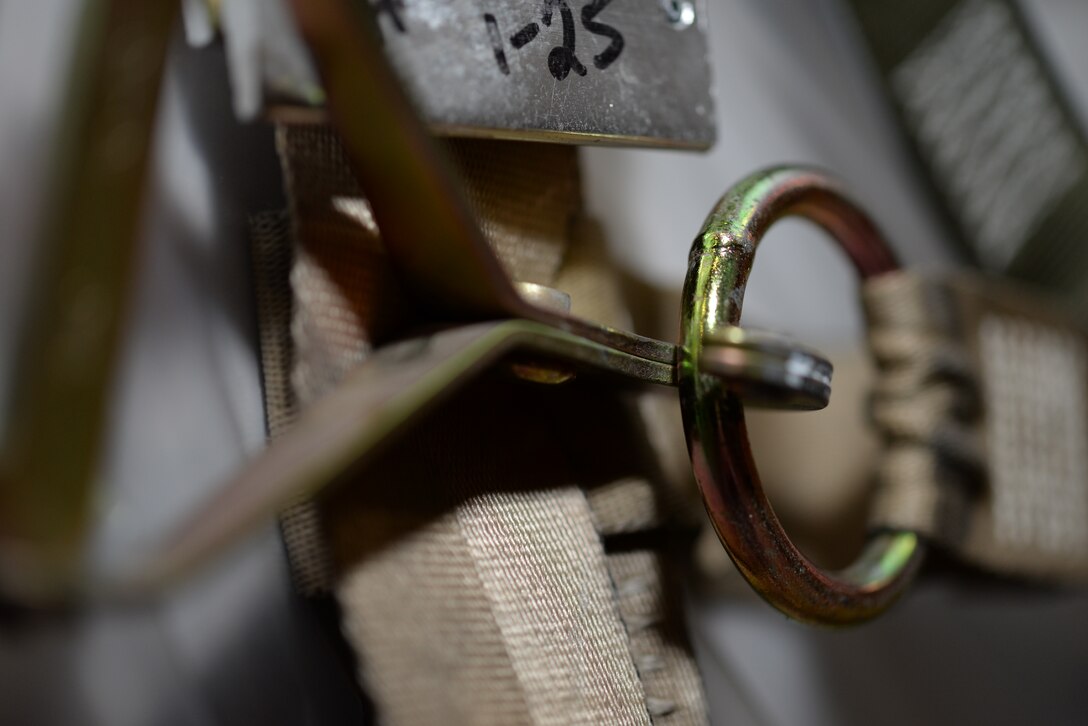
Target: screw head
681,13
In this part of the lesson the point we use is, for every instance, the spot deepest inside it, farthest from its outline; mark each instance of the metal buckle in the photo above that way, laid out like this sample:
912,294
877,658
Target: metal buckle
433,241
436,246
721,260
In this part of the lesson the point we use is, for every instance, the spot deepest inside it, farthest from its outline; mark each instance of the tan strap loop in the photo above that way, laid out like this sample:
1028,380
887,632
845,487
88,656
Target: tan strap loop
982,402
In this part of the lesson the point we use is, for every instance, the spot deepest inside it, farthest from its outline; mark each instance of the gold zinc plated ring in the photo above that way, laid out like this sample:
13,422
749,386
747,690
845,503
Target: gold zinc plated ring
721,260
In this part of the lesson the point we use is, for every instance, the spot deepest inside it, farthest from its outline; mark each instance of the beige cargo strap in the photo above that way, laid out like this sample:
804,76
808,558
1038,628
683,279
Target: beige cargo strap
502,564
981,400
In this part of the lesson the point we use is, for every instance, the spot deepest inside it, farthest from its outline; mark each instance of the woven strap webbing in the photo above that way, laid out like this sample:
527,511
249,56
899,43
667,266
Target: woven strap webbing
983,401
504,563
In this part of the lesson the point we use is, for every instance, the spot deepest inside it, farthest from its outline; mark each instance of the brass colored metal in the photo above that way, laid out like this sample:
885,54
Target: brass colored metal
346,431
398,385
721,259
550,299
544,297
66,357
426,224
548,376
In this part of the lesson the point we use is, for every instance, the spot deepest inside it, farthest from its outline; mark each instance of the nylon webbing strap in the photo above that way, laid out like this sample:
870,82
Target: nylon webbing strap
993,131
478,581
983,404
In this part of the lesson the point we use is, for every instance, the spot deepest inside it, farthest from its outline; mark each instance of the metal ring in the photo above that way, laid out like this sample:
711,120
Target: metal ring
721,259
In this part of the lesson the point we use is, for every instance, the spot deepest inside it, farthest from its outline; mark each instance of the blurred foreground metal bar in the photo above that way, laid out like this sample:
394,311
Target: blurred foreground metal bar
65,361
348,429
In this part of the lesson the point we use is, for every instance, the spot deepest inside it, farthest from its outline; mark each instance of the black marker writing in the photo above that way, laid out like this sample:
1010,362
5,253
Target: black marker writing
523,36
562,59
392,8
496,43
606,57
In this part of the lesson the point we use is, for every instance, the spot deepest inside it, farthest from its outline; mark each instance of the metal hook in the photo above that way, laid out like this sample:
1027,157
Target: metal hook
721,259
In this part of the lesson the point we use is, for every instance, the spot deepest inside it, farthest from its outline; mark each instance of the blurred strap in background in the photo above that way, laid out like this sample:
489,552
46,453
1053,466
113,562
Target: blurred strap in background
993,131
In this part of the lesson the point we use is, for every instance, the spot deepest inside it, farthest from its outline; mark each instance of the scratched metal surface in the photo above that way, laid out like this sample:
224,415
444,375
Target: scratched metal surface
624,71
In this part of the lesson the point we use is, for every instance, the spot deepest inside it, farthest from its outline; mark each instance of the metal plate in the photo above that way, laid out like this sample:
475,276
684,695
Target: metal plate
627,72
630,71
